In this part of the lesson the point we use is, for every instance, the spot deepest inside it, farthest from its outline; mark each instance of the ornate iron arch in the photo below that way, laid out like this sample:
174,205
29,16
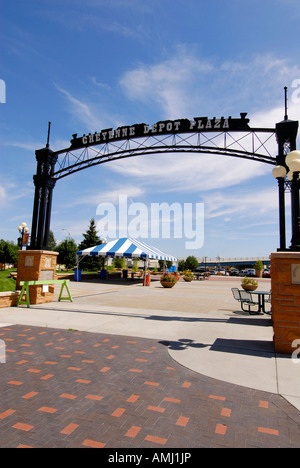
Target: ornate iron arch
235,141
225,136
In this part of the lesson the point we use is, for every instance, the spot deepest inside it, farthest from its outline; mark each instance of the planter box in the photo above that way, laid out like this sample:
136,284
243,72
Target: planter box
249,287
167,284
8,298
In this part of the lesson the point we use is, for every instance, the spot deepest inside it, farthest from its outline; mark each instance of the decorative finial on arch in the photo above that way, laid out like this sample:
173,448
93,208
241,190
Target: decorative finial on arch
286,103
48,137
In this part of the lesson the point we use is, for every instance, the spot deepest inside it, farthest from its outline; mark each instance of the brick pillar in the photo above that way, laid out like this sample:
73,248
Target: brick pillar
285,280
34,265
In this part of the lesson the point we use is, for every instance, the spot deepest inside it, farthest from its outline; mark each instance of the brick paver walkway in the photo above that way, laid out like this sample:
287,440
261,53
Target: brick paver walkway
70,389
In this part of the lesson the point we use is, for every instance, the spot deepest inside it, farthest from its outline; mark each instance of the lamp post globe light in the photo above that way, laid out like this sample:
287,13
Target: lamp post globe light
22,230
279,172
292,161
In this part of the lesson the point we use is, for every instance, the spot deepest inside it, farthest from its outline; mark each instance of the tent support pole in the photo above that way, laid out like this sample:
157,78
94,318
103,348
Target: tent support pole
145,270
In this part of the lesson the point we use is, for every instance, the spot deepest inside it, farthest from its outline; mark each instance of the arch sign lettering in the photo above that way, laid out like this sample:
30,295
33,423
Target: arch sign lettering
198,124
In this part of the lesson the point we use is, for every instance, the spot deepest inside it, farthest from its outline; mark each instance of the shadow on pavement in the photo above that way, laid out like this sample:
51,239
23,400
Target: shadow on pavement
246,347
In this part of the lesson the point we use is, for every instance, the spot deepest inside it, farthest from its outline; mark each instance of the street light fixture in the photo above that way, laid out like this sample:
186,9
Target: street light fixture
22,230
292,161
279,172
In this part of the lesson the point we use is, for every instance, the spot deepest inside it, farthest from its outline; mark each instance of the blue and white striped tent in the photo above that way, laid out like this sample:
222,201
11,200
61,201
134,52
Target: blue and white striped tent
128,248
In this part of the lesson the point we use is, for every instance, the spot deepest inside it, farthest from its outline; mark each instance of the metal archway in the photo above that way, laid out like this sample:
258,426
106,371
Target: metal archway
224,136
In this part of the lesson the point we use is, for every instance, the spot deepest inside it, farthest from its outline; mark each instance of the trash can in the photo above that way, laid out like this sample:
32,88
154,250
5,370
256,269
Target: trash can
103,274
77,275
125,274
147,280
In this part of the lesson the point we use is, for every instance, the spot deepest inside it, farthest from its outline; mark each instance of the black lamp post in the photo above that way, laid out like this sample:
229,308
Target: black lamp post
279,172
292,161
22,230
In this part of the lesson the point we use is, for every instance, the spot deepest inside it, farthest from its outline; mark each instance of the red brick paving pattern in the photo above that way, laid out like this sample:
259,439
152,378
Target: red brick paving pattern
58,391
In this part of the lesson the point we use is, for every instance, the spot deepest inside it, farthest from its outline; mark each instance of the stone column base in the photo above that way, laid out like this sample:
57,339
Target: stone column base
285,281
34,265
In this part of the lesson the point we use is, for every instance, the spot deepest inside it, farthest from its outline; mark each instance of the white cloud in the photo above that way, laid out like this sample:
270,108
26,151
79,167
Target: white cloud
110,196
256,207
3,196
10,191
189,172
169,83
180,86
185,84
99,83
32,146
82,111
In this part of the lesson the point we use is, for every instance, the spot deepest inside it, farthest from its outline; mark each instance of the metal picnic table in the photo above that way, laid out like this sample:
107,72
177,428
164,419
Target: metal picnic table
261,300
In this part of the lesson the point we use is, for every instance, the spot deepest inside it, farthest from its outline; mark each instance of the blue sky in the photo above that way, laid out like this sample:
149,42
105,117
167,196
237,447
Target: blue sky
87,66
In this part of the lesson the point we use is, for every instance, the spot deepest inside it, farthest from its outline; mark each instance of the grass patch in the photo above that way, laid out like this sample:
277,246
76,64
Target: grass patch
7,283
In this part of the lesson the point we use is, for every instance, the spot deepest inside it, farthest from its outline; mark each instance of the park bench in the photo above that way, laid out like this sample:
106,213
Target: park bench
246,300
26,284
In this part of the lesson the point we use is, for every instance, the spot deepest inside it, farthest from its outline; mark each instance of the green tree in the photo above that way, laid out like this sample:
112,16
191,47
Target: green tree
90,239
135,267
191,263
51,241
8,252
67,253
169,263
119,262
181,265
259,265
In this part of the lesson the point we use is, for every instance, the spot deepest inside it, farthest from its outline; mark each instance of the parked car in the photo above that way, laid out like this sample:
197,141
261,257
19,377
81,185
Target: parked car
249,272
202,269
234,272
266,274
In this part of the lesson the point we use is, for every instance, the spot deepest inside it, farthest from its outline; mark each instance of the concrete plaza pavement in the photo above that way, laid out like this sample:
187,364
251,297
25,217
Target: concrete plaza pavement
201,324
